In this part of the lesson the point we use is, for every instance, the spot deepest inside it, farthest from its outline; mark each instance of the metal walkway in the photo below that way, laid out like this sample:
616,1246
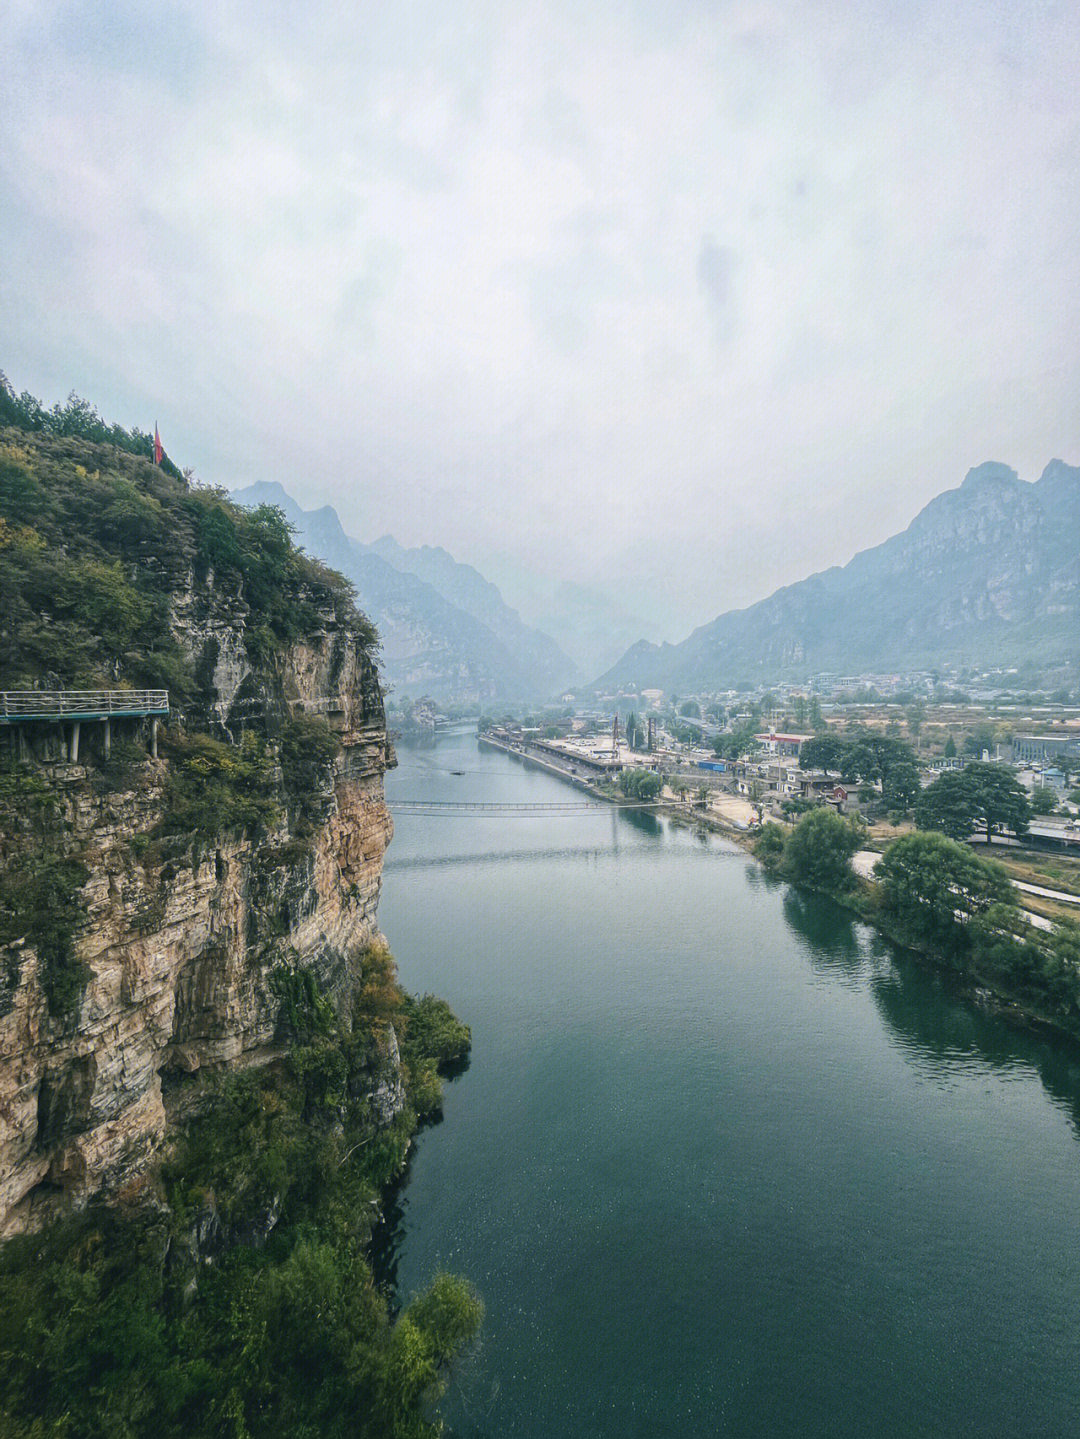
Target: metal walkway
17,706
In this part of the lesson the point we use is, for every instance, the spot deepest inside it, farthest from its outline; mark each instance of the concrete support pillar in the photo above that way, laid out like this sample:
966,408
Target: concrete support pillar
22,741
75,727
108,738
153,739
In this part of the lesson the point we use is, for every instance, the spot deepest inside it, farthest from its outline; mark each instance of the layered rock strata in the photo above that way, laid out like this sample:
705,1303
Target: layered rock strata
180,939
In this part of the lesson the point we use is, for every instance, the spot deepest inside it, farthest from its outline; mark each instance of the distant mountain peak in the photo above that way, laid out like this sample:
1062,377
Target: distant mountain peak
990,472
445,630
986,574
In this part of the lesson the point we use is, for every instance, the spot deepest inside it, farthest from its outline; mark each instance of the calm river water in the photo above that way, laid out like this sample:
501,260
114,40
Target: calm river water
723,1162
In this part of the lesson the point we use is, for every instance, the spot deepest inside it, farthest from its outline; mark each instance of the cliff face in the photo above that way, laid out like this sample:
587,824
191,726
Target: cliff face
181,937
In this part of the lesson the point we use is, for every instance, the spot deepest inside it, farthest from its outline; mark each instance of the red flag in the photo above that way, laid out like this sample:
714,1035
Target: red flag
158,451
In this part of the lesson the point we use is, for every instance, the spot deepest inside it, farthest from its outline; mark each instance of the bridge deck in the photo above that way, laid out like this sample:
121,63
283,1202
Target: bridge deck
436,806
17,706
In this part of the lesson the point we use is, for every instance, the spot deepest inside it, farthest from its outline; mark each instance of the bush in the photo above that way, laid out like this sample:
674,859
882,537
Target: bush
769,846
215,789
818,851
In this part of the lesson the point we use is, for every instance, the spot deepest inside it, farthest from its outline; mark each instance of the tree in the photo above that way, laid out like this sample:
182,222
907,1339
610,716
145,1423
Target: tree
950,748
769,846
902,787
823,752
915,714
981,738
818,851
947,806
1043,801
935,886
640,784
1000,799
756,795
690,710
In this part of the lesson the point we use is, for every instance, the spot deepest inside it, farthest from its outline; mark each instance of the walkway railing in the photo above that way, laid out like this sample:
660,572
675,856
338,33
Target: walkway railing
17,705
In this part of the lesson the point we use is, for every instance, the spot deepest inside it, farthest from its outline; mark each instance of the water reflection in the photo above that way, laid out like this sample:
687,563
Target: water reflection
835,946
942,1024
643,821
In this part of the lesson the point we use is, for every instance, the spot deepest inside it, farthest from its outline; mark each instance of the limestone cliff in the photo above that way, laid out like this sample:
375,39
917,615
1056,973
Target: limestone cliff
180,934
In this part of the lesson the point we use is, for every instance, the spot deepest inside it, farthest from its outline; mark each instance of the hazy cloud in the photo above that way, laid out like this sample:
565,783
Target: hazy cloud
463,273
715,270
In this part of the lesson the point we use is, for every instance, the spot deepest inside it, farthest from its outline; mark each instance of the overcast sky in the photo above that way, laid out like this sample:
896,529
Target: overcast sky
688,299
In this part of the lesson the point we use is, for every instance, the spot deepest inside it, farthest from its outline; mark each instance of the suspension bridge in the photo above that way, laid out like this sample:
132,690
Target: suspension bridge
448,807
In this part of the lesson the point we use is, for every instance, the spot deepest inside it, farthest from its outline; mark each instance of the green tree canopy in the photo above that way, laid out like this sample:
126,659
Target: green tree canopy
818,851
935,886
948,806
1043,801
640,784
902,787
1001,802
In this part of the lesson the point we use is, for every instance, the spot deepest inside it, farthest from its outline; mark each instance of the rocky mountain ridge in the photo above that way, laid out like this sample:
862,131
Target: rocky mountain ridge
445,631
987,574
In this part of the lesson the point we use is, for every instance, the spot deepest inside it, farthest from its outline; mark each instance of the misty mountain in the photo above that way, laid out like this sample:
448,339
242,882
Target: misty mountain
594,629
537,653
987,574
429,644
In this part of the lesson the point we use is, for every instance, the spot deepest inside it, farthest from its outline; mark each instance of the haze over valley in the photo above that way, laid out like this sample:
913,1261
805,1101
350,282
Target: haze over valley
540,720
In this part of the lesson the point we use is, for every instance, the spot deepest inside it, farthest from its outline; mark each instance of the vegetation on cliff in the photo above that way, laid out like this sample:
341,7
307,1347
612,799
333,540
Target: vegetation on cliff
240,1300
226,1290
96,541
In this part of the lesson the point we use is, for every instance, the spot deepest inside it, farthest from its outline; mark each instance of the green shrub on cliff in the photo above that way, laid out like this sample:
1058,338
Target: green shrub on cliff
246,1305
216,789
307,746
40,884
96,542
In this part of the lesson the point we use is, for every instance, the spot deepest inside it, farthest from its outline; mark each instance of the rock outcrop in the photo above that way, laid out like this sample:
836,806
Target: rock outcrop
180,938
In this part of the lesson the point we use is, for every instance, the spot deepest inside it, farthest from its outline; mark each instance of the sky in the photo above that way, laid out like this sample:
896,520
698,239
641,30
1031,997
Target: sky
682,300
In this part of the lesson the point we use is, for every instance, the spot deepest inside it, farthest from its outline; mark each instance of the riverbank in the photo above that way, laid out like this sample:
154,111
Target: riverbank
675,809
981,986
660,1031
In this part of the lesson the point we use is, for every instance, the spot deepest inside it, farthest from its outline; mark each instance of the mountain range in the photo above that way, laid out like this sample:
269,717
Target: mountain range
445,631
986,575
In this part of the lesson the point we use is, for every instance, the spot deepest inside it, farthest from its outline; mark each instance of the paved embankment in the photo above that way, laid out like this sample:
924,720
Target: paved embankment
720,823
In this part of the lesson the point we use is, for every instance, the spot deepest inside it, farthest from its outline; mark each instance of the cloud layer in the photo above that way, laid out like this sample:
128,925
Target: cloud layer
688,299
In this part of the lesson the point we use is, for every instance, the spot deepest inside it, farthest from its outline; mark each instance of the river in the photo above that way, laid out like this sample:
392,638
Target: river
724,1162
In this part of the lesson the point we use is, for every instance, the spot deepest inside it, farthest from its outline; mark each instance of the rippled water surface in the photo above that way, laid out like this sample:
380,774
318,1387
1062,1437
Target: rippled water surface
723,1163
